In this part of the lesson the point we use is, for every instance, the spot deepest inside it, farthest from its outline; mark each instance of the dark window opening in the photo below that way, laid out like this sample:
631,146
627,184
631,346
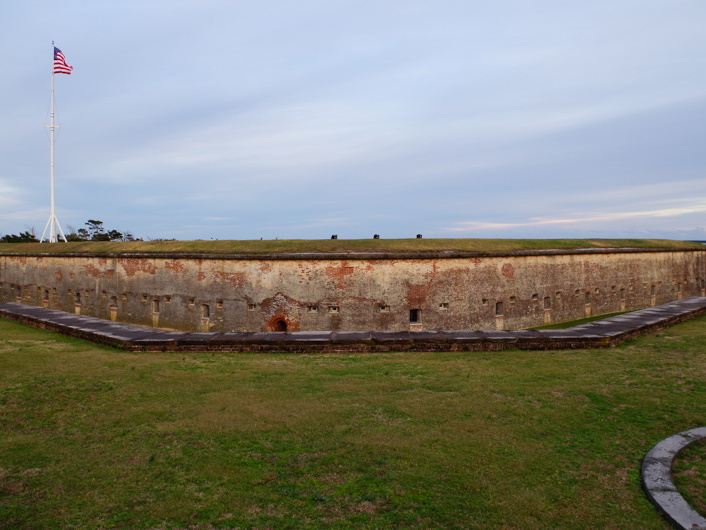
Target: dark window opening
415,316
280,325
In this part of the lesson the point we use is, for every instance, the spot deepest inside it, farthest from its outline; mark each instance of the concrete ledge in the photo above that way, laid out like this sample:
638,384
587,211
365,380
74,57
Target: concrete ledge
604,333
657,480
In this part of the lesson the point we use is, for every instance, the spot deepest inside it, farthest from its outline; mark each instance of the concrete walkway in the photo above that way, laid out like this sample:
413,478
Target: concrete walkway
658,484
601,333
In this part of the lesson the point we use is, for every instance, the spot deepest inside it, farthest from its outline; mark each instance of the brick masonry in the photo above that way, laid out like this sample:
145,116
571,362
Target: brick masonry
441,291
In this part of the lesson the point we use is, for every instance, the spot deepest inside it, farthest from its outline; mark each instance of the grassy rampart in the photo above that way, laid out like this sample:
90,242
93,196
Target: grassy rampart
340,246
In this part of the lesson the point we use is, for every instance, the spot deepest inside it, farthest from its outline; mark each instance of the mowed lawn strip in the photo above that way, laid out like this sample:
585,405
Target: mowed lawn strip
297,246
98,438
689,475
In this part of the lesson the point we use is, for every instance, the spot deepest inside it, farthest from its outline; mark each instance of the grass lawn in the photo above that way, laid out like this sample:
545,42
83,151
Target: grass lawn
97,438
288,246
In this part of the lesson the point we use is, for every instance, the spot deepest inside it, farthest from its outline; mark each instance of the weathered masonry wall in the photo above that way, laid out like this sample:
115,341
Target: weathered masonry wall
391,292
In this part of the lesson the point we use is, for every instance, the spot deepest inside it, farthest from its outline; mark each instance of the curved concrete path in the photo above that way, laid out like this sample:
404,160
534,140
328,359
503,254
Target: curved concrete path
598,334
658,484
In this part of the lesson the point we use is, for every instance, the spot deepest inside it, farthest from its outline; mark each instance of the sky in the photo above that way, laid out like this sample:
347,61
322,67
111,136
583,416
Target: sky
234,119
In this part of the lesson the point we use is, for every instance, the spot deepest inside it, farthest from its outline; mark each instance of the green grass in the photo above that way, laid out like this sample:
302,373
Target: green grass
98,438
341,245
689,474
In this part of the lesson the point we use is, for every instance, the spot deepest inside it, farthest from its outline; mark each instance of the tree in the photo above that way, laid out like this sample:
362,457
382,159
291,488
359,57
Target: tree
24,237
95,231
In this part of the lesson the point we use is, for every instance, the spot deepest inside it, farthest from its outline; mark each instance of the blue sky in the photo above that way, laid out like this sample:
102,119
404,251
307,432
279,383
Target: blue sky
456,118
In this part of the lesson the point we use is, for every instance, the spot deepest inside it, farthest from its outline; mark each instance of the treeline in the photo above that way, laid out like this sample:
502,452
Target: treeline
94,231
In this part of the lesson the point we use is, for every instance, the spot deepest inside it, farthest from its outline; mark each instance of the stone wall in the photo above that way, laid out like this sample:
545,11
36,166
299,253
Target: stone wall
394,292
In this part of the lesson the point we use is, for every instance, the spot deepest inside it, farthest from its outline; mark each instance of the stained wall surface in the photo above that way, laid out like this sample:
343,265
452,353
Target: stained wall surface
352,293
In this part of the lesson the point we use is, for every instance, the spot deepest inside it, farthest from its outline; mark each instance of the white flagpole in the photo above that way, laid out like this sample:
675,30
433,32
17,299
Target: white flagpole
53,223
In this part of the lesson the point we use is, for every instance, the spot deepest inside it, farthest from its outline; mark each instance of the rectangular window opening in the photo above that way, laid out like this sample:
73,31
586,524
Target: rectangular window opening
415,316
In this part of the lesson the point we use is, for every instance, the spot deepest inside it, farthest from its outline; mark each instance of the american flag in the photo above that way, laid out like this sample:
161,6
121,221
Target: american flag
60,66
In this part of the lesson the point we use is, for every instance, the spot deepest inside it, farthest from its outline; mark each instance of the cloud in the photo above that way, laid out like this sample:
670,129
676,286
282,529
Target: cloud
224,119
470,226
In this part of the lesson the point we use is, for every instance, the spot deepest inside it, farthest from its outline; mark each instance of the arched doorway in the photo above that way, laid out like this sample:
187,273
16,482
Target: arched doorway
279,325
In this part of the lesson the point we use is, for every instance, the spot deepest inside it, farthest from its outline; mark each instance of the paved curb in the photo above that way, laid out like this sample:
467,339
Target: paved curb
601,333
657,480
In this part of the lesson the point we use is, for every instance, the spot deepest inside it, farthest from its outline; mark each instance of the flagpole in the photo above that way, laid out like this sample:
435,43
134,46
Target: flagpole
53,224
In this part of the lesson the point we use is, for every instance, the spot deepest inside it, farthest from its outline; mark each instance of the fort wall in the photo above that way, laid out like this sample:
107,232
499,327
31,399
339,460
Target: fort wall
353,292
